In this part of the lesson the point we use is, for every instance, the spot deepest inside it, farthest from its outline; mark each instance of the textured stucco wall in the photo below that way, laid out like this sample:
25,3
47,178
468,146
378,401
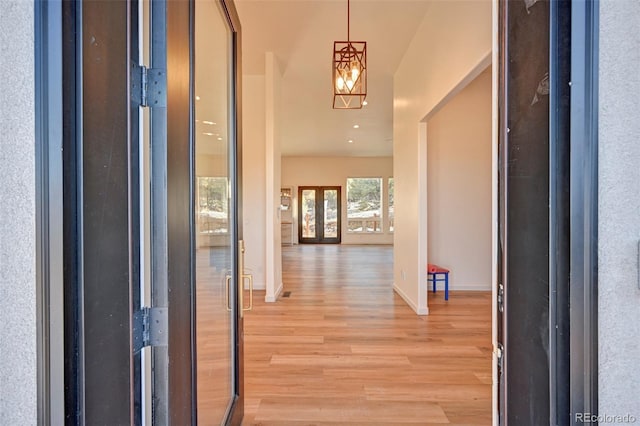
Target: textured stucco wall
619,208
17,215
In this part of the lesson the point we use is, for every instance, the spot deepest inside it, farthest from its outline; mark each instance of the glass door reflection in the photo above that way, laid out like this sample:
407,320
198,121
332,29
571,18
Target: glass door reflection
308,213
213,251
330,213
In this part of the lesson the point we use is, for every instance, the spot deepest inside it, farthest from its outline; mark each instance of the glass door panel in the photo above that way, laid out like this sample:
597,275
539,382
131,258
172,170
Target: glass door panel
330,213
308,213
213,245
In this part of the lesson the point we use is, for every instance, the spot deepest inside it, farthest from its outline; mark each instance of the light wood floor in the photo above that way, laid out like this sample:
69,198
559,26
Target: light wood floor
213,339
344,349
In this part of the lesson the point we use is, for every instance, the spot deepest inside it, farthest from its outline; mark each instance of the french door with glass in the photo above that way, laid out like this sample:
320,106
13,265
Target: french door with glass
218,251
319,214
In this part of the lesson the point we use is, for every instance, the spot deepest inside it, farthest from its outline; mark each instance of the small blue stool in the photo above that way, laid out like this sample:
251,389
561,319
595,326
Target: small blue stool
433,272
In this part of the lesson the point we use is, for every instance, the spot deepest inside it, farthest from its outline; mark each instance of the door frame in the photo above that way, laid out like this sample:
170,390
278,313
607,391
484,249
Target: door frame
99,210
49,212
235,208
584,208
319,209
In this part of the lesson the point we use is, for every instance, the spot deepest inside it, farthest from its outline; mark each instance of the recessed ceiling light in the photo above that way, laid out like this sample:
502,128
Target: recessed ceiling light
208,134
350,141
197,98
356,126
219,139
364,103
210,123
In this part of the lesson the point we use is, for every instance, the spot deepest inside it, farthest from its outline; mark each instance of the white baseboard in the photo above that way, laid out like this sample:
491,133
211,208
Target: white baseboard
256,286
271,299
409,302
465,286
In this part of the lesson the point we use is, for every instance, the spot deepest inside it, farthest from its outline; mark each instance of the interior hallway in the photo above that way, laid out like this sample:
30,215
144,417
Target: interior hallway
345,349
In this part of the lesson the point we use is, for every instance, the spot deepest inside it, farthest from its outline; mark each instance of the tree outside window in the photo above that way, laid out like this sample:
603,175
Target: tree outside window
213,205
364,204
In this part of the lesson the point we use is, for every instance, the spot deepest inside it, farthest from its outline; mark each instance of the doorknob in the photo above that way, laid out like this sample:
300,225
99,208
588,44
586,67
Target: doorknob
242,276
250,278
226,287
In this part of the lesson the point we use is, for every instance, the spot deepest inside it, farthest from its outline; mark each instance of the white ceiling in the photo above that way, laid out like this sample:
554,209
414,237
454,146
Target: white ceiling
301,35
211,79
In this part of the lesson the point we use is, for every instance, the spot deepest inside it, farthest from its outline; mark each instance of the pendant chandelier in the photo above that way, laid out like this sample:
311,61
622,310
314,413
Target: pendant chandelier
349,71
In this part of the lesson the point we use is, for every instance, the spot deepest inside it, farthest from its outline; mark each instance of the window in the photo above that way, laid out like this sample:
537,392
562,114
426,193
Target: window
390,195
364,204
213,205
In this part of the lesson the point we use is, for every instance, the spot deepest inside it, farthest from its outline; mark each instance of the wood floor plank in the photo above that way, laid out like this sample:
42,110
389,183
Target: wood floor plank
418,349
344,410
340,360
432,376
315,349
422,392
344,349
273,339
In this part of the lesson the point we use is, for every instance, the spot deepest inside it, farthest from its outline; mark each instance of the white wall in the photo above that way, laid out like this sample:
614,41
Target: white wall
261,128
273,116
453,39
334,171
18,364
459,186
619,209
253,176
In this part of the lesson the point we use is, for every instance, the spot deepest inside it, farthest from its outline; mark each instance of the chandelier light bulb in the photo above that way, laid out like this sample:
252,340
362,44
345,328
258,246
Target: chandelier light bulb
349,84
340,83
355,72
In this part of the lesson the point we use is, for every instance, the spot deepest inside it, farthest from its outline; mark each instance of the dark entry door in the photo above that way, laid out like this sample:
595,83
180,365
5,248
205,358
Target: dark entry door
547,307
319,214
153,248
523,304
203,203
218,249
